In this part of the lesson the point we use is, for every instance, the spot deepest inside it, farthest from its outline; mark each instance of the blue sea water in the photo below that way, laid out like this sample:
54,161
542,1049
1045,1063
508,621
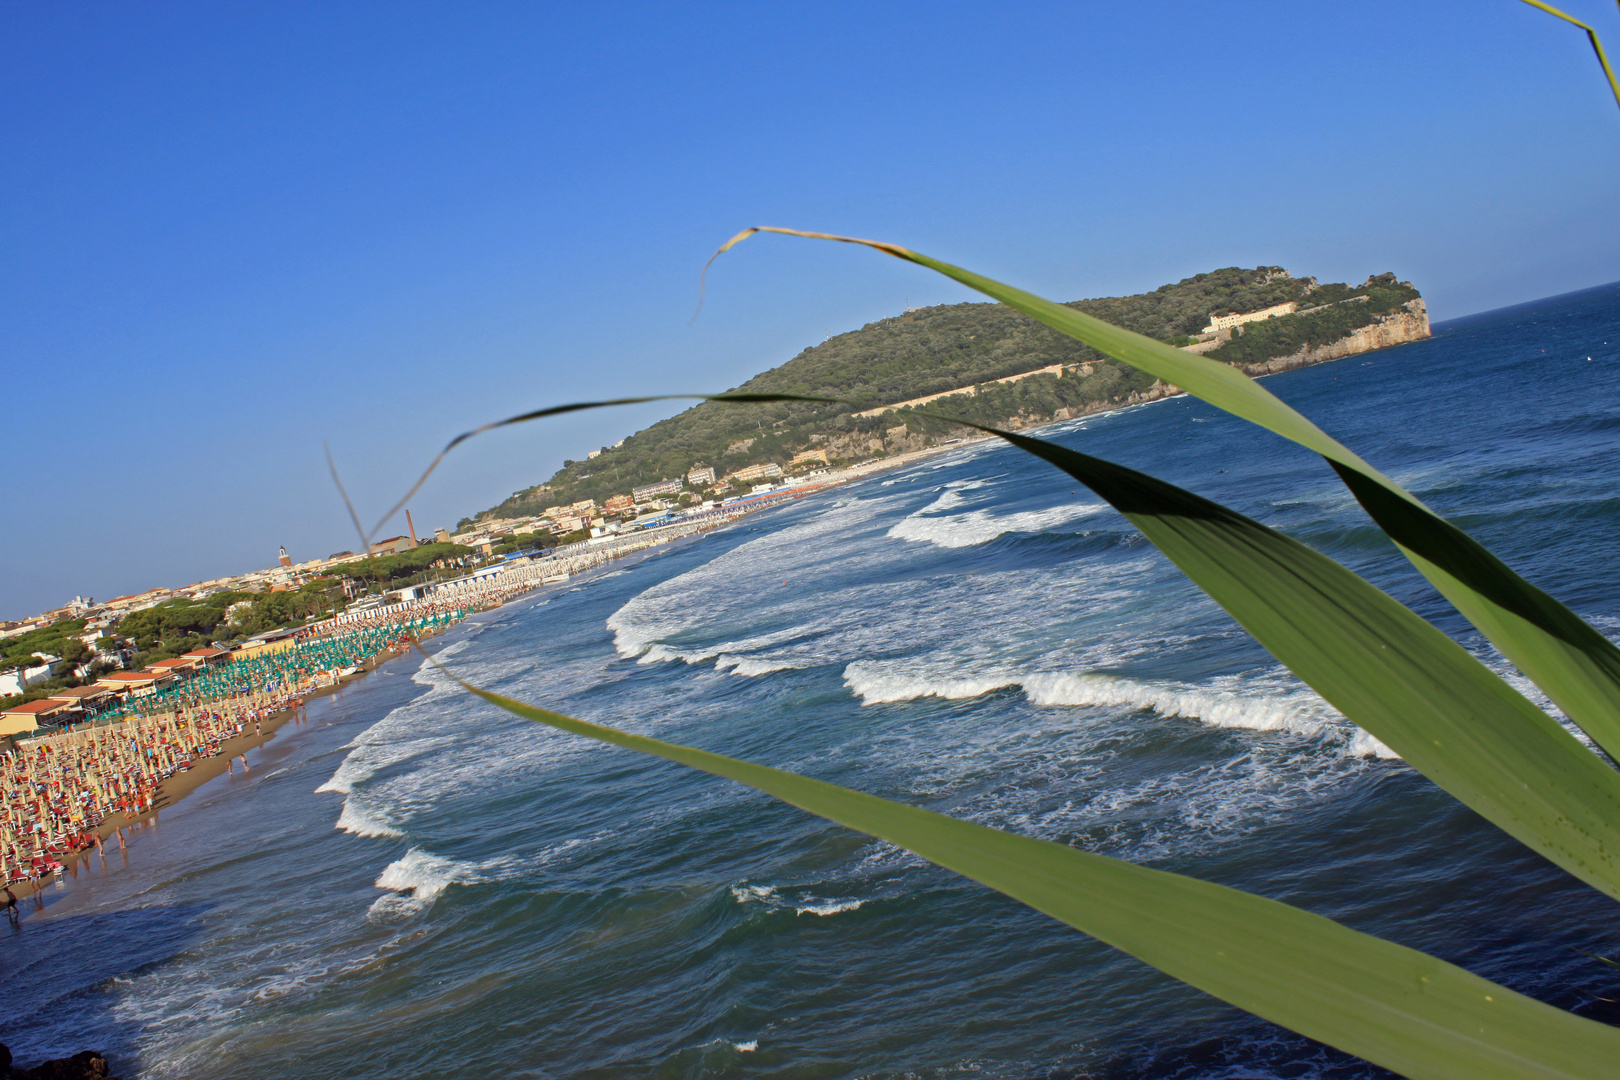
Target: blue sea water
411,882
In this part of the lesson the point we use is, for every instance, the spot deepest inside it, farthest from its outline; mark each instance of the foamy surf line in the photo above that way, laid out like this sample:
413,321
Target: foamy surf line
1300,713
744,894
830,907
360,821
412,882
937,524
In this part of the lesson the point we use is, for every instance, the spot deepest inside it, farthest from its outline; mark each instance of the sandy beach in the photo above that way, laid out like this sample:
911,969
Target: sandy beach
176,787
203,769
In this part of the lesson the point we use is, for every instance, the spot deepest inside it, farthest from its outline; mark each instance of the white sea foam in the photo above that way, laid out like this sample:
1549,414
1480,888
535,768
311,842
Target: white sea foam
751,667
417,878
1364,744
974,527
423,875
875,683
361,820
349,772
829,907
747,1047
1301,713
739,576
1256,708
746,893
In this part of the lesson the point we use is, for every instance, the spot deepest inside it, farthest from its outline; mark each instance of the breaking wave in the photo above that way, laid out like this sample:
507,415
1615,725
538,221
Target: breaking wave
413,881
975,527
830,907
361,821
937,524
1298,712
877,683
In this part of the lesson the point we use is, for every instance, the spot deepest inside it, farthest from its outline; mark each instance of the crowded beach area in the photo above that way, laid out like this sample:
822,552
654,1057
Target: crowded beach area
73,788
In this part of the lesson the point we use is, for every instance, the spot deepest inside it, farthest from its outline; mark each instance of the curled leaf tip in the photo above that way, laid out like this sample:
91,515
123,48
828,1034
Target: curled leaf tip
1591,36
877,245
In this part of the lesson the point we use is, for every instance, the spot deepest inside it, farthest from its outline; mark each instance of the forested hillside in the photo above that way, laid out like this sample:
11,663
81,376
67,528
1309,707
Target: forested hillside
928,350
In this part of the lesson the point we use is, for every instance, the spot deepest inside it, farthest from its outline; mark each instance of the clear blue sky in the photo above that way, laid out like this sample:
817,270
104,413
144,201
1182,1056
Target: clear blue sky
231,231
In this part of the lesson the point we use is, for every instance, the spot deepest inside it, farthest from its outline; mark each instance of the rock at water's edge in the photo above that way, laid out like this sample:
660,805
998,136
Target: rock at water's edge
85,1065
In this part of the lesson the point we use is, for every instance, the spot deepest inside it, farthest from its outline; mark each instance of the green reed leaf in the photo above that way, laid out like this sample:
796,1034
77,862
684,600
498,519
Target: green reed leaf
1383,666
1573,664
1389,1004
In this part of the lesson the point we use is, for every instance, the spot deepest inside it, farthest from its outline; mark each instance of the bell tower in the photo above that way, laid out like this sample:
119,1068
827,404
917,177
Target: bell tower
285,561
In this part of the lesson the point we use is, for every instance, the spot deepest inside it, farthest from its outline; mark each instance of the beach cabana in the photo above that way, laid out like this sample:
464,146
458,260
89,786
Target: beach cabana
136,683
31,714
271,641
90,699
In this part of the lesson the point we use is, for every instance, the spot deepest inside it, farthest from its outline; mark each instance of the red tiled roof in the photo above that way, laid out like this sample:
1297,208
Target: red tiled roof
79,693
132,676
35,708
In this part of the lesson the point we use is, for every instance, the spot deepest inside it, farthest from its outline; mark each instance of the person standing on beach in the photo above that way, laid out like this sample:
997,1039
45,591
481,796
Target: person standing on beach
11,906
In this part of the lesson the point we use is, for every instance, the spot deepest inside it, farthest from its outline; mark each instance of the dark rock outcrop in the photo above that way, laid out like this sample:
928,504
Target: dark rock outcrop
85,1065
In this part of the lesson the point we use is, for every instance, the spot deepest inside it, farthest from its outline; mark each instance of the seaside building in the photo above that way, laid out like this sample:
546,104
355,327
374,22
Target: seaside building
394,545
1226,322
768,470
180,665
651,491
271,641
31,714
700,476
87,699
809,455
135,683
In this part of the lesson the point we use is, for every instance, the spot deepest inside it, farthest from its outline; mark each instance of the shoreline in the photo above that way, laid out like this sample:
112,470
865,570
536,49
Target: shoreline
174,788
171,790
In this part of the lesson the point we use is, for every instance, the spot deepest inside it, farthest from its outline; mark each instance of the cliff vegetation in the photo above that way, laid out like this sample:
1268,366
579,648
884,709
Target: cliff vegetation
955,346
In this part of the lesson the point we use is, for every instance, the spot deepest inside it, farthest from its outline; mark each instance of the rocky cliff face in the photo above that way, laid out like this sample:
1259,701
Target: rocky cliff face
1412,324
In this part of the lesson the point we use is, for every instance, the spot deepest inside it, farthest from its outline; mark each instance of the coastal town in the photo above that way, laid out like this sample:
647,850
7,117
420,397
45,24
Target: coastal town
96,669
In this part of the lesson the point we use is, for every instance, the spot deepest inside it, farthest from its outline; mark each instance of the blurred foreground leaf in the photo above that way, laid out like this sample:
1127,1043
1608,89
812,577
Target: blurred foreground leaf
1573,664
1391,1005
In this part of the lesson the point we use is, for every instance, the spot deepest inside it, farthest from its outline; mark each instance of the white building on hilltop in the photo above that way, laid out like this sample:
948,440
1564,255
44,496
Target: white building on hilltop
1226,322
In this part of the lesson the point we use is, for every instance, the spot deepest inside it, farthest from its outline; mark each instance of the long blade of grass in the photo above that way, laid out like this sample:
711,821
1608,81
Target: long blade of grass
1389,1004
1573,664
1383,666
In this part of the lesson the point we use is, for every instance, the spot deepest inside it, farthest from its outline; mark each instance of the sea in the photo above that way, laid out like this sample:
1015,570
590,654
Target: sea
411,882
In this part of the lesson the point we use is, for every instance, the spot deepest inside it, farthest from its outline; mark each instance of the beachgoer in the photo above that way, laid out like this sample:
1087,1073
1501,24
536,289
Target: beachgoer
11,906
